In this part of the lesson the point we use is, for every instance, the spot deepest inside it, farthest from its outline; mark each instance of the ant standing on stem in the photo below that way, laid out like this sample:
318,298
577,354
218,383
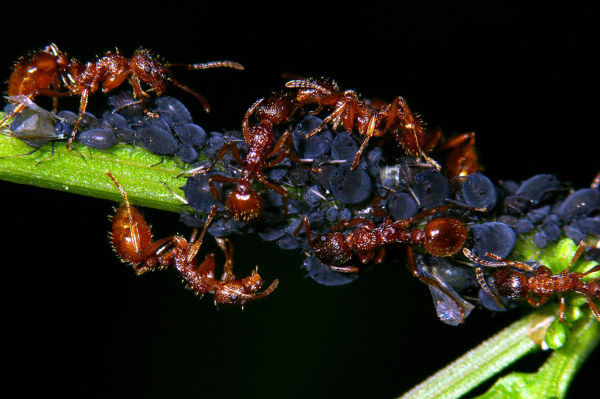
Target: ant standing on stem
516,286
132,241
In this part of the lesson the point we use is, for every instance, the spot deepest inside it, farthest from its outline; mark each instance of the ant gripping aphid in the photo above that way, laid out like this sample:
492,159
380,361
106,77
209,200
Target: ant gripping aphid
350,111
132,241
34,74
244,204
517,287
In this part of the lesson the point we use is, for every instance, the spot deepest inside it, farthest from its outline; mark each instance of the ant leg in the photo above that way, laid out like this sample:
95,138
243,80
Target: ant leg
193,250
246,120
303,223
219,179
486,288
538,302
370,130
228,267
202,100
82,107
412,266
580,249
353,222
502,262
334,115
345,269
592,270
234,151
278,189
592,306
561,309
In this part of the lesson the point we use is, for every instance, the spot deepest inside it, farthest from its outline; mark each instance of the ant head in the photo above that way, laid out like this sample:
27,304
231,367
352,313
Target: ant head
253,282
246,207
444,236
512,285
149,70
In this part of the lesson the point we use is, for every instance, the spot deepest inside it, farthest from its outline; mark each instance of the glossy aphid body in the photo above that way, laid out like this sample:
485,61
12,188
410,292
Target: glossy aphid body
243,203
132,241
350,111
516,286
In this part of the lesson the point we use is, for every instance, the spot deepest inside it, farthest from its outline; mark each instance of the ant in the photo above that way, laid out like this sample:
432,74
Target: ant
441,237
112,69
350,111
462,160
516,286
132,241
34,74
244,204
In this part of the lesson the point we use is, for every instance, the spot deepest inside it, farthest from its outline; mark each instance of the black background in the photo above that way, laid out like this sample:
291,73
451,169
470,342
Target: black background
76,320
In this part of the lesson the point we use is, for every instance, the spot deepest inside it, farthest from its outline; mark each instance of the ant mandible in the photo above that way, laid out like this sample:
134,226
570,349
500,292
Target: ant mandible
132,241
517,287
350,111
34,74
244,204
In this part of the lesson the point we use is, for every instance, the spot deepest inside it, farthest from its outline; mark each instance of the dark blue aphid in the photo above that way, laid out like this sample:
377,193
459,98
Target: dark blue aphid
198,195
319,144
323,274
187,153
344,147
493,237
478,191
350,186
431,188
173,111
157,141
191,134
401,206
531,192
580,204
100,139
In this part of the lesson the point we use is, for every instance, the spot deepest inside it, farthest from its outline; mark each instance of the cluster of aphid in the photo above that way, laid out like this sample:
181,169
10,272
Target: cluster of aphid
316,185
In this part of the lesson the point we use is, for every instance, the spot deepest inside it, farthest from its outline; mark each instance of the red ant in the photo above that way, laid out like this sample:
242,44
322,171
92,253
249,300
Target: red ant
351,111
244,203
34,74
132,241
462,160
112,69
516,286
441,237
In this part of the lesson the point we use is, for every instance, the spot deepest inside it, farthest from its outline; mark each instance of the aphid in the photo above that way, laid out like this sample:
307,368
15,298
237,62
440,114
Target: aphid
100,139
243,203
450,308
132,241
515,286
34,126
34,74
478,191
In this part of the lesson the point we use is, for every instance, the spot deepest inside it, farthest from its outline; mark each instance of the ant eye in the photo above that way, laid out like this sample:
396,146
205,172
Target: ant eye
147,69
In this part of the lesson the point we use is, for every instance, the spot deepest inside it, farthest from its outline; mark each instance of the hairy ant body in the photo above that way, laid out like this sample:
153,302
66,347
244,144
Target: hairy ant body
132,241
441,237
351,111
112,69
34,74
244,204
516,286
